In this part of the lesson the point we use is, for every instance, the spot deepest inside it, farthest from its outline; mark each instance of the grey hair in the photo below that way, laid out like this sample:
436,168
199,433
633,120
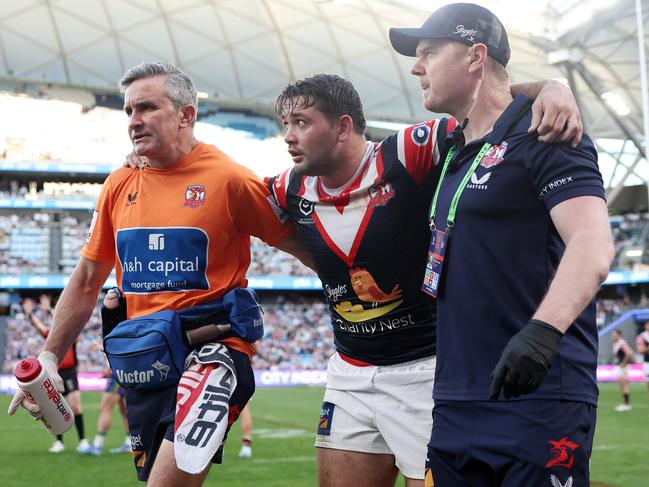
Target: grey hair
180,87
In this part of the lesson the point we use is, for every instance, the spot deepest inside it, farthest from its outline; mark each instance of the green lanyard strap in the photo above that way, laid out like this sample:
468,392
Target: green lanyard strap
450,219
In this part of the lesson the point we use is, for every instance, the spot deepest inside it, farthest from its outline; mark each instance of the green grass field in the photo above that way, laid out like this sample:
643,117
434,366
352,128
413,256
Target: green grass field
284,455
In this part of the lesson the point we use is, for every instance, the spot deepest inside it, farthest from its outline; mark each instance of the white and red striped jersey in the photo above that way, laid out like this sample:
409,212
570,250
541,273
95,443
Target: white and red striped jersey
621,349
369,240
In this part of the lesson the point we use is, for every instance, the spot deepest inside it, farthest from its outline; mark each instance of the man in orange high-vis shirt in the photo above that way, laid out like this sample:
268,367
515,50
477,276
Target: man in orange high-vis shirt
178,233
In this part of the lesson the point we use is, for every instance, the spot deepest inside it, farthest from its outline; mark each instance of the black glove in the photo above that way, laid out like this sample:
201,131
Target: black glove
525,360
111,317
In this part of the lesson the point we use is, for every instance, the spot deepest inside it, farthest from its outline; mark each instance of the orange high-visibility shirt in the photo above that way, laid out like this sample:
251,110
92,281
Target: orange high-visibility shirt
180,236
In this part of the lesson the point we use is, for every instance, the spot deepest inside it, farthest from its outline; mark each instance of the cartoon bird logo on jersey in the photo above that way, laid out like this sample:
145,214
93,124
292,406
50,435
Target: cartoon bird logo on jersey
369,291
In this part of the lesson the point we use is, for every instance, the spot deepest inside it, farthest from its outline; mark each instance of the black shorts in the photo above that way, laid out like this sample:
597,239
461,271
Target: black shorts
151,415
510,443
70,380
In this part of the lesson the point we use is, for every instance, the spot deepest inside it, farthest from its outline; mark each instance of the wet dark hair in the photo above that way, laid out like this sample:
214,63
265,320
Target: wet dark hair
332,95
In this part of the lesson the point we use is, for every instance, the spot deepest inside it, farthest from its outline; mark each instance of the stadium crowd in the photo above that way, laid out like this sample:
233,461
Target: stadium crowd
268,261
57,190
23,340
25,245
74,228
608,310
297,335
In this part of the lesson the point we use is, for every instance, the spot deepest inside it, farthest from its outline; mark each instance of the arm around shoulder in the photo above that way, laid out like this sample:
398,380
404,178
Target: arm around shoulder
296,246
555,113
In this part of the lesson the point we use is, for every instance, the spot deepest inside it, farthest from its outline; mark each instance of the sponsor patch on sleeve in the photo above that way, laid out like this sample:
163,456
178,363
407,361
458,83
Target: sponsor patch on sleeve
326,418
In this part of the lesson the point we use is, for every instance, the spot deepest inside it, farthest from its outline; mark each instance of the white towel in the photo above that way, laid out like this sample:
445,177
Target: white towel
202,406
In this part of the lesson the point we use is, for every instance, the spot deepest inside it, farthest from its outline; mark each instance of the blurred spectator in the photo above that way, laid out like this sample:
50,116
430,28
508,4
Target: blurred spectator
23,341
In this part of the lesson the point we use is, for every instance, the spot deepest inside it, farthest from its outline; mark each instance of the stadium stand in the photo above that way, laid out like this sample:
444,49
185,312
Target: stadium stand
268,261
24,341
46,198
25,243
609,310
297,336
631,237
25,246
75,229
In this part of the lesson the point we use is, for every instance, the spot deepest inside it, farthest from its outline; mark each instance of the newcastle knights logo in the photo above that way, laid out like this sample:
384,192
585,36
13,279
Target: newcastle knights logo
494,155
194,196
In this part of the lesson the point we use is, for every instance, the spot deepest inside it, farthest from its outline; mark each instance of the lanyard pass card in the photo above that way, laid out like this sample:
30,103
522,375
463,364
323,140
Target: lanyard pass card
439,238
435,262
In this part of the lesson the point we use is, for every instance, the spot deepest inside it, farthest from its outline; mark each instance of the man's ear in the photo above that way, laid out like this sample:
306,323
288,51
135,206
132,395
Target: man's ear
477,56
188,116
345,127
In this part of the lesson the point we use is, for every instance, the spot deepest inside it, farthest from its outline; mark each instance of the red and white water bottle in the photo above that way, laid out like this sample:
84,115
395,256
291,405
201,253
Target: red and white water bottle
36,383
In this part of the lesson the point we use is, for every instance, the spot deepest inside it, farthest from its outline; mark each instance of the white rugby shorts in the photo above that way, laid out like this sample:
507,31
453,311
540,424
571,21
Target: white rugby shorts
621,372
646,370
380,409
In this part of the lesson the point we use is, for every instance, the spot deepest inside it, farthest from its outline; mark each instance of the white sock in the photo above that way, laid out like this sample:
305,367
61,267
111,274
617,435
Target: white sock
127,440
99,440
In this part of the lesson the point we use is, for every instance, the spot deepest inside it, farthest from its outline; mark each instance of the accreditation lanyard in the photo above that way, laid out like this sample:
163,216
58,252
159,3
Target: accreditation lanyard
439,238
